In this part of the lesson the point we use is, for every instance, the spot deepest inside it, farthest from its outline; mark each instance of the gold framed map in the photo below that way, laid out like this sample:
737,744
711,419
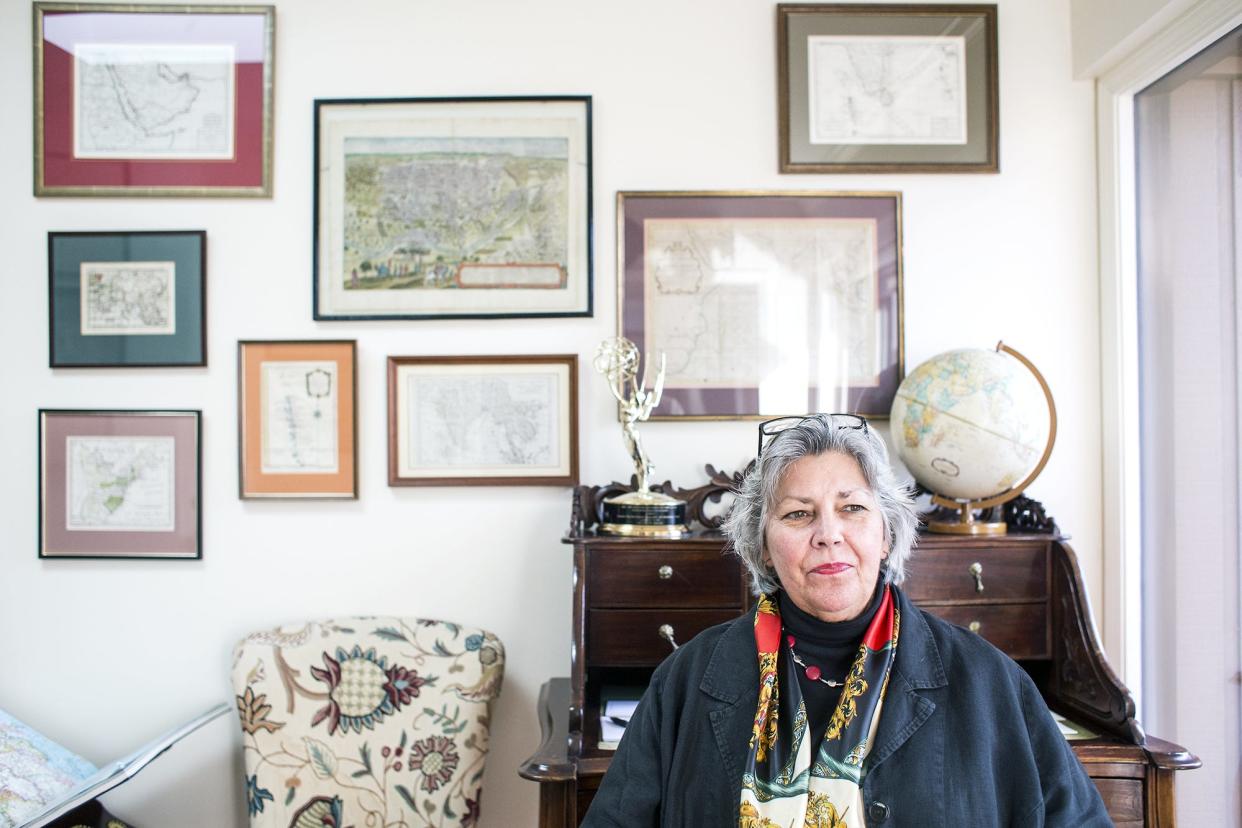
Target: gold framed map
884,88
764,303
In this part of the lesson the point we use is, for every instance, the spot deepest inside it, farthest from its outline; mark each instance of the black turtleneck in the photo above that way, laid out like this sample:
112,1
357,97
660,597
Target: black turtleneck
831,646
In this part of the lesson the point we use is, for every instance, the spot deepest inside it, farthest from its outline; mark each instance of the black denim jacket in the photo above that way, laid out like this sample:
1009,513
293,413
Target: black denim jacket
964,739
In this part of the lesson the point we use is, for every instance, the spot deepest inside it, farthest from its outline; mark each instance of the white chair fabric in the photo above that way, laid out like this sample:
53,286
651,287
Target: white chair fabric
363,720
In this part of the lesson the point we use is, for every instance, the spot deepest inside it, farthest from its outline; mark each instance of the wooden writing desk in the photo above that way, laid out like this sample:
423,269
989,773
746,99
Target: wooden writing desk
1022,591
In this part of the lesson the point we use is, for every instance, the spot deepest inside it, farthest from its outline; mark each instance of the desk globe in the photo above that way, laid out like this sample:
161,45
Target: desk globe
975,427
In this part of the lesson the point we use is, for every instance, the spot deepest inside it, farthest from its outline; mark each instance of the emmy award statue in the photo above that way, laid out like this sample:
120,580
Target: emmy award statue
641,513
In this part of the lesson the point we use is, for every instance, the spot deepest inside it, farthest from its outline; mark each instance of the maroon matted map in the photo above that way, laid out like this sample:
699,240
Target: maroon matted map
119,484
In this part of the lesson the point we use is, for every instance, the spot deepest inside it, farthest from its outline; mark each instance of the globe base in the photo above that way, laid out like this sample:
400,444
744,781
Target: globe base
957,527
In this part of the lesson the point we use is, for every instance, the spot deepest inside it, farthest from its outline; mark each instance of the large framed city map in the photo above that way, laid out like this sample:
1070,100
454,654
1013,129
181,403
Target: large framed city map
153,100
764,303
119,484
442,208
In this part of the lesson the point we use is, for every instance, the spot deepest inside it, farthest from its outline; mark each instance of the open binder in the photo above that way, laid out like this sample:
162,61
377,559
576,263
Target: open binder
114,774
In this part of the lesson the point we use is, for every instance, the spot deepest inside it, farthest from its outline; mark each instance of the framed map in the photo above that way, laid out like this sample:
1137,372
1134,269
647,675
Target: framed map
764,304
119,484
127,299
153,100
451,208
483,421
297,419
887,88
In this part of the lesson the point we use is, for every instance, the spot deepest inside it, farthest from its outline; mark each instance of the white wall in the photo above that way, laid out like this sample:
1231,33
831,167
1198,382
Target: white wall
103,655
1105,31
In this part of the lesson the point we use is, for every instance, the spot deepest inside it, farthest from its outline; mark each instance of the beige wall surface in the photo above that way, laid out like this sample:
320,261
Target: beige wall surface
103,655
1106,30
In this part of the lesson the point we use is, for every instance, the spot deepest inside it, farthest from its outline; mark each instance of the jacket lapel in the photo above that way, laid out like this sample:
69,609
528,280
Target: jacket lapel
732,682
916,667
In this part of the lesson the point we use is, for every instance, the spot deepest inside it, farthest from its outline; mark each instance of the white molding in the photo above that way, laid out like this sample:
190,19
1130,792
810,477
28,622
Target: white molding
1174,43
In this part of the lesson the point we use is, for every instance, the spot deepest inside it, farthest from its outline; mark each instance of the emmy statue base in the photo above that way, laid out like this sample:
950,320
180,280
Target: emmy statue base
644,515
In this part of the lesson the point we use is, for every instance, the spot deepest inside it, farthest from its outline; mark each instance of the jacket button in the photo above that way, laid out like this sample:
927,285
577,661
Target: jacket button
877,812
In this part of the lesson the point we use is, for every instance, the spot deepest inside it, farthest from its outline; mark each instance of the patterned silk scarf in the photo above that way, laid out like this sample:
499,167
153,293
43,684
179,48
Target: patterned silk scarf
781,786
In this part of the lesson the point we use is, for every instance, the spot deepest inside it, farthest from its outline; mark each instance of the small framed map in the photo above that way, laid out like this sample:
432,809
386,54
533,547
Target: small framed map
153,100
127,299
297,419
764,303
452,208
876,88
119,484
483,421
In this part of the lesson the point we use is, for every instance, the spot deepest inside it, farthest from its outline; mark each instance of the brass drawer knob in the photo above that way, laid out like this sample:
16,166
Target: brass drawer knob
975,626
665,572
976,569
666,632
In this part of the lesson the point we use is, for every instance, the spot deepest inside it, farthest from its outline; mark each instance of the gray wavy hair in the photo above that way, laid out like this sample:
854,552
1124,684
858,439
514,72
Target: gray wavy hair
816,435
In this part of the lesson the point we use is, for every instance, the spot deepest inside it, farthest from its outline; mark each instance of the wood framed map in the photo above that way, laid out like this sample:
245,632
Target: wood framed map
297,419
483,420
153,100
887,88
127,299
451,208
764,304
119,484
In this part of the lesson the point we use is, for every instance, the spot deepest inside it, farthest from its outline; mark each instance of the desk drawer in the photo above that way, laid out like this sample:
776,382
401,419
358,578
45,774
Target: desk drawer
632,637
1020,630
1123,799
1008,572
663,578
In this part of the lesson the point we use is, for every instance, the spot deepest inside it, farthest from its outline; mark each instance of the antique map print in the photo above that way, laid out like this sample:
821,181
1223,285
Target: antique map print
484,420
431,213
738,302
117,484
886,90
35,772
300,425
153,101
134,298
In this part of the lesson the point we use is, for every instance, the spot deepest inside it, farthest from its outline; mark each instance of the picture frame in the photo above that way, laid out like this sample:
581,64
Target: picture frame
453,208
120,484
764,303
135,298
876,88
297,419
483,420
203,129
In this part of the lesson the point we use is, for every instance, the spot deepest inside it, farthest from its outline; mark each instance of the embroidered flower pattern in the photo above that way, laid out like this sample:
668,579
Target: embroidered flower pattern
255,796
320,811
435,758
363,689
253,710
404,746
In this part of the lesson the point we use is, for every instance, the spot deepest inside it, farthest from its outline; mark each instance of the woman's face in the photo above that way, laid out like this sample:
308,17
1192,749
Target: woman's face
825,537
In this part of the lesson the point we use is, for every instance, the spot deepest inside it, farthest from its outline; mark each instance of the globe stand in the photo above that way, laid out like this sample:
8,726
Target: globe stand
967,523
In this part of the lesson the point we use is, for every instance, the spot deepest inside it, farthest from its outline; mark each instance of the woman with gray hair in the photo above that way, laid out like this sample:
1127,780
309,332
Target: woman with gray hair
837,703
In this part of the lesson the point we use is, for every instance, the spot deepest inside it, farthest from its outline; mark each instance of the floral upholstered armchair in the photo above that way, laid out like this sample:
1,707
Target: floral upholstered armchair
367,721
